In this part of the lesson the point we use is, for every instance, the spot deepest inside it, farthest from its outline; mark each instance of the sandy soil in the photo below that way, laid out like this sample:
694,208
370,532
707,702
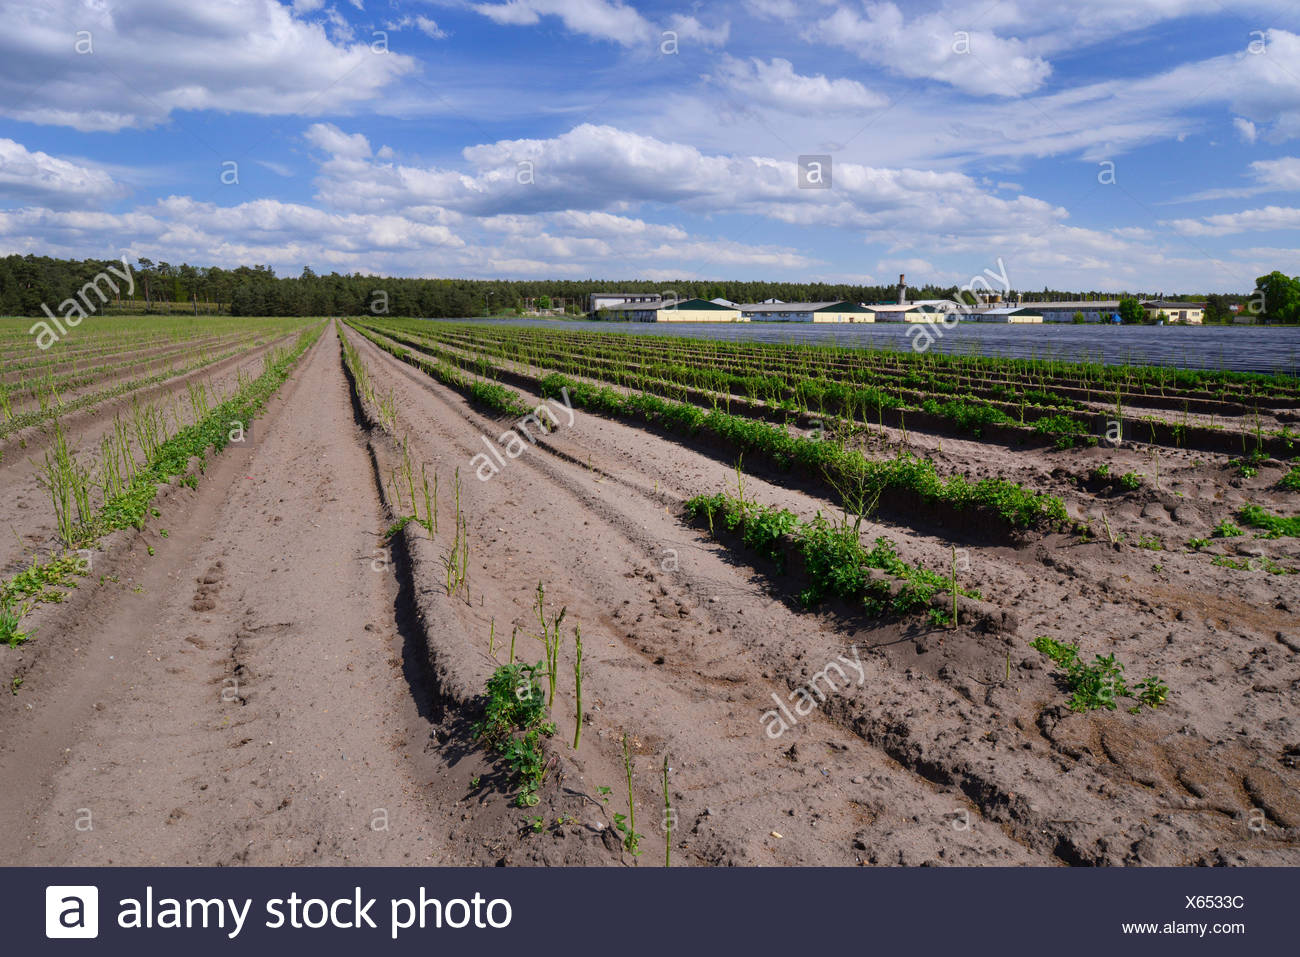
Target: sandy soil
351,674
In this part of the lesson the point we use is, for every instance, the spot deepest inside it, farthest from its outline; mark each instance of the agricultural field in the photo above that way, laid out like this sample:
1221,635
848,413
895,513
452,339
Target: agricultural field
384,591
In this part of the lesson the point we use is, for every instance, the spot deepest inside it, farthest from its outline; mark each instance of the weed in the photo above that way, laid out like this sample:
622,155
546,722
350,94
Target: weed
513,723
1066,429
1152,692
1291,481
11,616
1130,481
1226,529
40,582
1275,526
1099,684
1273,568
837,563
940,618
497,398
1151,543
397,527
1014,505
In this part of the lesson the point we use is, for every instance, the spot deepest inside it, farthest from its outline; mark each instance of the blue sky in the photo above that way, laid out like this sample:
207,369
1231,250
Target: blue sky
1150,145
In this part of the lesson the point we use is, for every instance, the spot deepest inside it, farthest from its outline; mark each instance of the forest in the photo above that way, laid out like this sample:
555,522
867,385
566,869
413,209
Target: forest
27,282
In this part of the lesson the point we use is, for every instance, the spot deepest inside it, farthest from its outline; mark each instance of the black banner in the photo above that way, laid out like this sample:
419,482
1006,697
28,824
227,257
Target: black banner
652,911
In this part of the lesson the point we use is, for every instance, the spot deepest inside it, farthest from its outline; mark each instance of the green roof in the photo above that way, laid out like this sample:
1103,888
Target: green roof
699,304
843,307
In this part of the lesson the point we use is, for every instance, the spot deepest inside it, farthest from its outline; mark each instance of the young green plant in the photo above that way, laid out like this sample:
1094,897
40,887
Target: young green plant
668,819
626,823
577,685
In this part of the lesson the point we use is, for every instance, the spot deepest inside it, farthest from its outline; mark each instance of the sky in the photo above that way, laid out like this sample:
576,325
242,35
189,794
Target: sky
1144,145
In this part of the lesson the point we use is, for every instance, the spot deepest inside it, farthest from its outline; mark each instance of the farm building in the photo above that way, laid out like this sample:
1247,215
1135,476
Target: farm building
1009,314
1107,310
1192,313
1094,310
807,312
605,300
906,312
685,310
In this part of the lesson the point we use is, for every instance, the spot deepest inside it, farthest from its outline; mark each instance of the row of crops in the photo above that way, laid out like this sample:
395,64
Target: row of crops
1004,401
110,358
100,476
905,484
731,400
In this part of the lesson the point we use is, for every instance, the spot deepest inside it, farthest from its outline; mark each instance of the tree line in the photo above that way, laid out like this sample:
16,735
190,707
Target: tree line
28,282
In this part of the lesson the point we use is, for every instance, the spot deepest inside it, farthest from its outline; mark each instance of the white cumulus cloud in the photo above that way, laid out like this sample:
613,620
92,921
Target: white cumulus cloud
775,84
138,63
30,177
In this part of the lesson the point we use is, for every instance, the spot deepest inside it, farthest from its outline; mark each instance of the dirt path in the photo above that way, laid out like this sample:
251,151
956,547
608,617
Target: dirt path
249,706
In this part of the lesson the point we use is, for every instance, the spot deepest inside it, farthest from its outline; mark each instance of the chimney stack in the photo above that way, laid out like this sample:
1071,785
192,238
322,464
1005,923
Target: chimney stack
902,290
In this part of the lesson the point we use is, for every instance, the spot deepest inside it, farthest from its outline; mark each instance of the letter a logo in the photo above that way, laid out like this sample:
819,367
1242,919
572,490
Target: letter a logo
71,911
